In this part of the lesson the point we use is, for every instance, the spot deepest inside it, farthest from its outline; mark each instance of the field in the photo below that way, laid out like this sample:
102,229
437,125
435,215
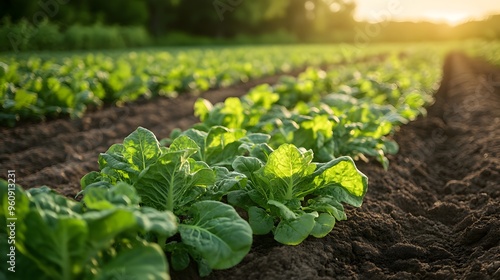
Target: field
422,127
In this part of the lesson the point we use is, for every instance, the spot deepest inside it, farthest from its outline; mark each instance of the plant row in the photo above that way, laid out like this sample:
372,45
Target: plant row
351,110
488,50
268,157
43,85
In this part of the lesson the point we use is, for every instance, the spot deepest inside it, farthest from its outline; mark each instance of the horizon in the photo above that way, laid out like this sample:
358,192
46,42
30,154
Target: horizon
435,11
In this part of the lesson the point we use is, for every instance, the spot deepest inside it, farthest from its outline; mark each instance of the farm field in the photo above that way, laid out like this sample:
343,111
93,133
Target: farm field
431,208
51,85
433,214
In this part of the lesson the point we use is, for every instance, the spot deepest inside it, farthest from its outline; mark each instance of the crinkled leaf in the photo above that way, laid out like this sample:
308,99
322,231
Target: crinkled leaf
342,180
56,243
141,148
225,181
174,181
287,170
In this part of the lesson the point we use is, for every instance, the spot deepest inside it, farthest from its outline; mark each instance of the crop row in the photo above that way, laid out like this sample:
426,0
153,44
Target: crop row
280,155
489,50
35,87
347,111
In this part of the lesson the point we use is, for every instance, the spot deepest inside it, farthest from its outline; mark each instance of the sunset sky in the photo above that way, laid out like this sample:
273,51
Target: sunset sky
452,12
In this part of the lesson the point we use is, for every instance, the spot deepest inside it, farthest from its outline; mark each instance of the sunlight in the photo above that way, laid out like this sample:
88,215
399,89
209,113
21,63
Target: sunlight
452,19
455,13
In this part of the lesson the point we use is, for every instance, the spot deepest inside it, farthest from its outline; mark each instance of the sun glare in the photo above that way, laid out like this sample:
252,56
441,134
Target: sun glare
443,11
452,19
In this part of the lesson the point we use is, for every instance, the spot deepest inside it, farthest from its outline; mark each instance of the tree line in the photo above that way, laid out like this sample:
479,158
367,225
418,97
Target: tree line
214,18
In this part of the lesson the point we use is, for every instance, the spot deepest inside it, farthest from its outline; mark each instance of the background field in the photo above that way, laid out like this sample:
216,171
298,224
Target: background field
249,140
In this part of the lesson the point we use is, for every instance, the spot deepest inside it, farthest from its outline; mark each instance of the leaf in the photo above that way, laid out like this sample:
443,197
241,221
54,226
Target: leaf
233,112
174,181
323,225
24,99
221,145
282,210
202,108
391,147
199,138
240,198
255,145
139,262
328,204
58,245
293,232
263,95
103,198
217,233
185,144
46,199
162,223
247,165
180,259
104,226
260,221
342,180
287,169
89,178
225,182
141,148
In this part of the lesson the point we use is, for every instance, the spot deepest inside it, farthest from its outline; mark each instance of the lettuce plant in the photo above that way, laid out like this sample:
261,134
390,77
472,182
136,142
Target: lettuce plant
172,179
57,238
292,197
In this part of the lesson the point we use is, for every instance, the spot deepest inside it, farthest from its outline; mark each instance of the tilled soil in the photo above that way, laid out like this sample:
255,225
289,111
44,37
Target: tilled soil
434,215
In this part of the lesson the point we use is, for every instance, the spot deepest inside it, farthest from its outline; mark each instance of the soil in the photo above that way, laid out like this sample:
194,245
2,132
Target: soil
435,214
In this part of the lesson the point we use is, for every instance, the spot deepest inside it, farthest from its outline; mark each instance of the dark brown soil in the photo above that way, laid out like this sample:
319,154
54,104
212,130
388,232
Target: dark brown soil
434,215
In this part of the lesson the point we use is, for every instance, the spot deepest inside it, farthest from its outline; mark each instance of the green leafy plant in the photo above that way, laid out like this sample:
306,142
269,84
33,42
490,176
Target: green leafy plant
52,85
171,179
294,197
102,238
357,119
